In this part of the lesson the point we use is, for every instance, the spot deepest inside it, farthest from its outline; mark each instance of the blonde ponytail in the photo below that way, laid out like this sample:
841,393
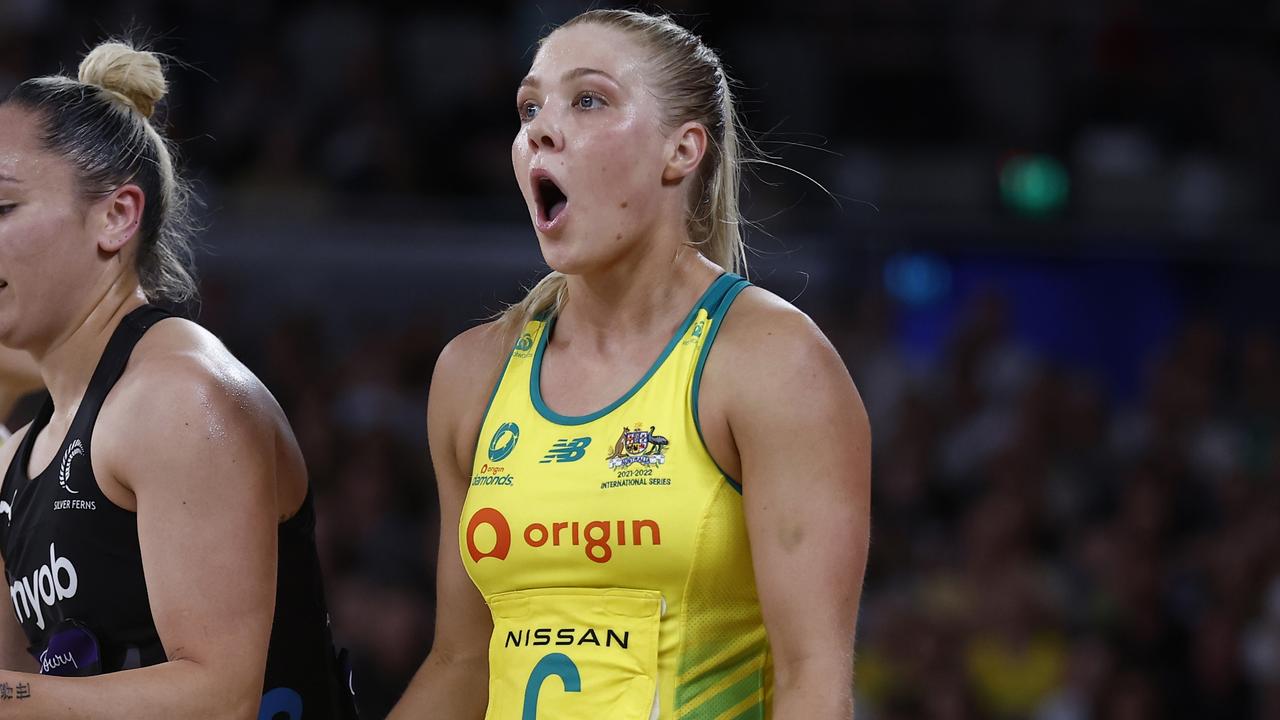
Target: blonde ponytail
547,297
721,228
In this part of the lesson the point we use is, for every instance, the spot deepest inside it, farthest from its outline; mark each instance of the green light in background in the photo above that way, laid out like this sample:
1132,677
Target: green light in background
1034,185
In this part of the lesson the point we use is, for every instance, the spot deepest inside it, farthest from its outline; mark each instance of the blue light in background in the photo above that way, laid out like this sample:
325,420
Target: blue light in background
1103,317
916,279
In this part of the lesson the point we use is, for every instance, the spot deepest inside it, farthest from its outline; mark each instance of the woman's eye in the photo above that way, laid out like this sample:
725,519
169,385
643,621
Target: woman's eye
588,101
528,111
6,209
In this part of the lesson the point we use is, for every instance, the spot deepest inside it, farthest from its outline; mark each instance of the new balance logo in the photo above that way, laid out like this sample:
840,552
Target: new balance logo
567,450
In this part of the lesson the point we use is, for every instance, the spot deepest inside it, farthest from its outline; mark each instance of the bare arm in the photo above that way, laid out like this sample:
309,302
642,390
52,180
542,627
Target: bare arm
199,458
805,449
13,642
454,680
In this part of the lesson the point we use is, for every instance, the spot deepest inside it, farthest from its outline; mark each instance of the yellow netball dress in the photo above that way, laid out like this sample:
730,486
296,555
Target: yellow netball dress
612,550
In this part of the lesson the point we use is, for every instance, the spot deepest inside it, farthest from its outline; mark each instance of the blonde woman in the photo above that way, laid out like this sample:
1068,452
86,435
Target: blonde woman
654,477
156,517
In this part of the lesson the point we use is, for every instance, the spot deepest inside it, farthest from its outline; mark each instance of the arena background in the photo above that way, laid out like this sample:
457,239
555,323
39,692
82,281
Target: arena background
1049,257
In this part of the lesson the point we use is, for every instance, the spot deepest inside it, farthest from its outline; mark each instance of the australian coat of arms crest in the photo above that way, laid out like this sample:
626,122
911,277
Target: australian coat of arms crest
642,447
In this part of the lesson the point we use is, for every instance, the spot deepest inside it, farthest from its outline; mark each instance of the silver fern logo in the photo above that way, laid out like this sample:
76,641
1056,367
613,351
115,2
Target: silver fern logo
64,473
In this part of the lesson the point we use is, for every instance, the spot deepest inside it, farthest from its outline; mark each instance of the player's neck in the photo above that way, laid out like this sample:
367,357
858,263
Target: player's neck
67,364
635,298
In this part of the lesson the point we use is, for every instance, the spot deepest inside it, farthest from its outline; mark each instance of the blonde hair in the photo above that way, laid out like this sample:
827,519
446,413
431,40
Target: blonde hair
101,123
133,77
692,86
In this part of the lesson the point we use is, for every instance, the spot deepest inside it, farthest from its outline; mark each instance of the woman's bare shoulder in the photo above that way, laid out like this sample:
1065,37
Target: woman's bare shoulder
761,320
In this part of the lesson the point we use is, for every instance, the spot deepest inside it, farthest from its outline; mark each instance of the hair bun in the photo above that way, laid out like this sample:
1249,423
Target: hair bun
133,76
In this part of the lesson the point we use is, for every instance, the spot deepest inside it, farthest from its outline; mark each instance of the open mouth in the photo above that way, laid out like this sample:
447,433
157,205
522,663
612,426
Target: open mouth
551,200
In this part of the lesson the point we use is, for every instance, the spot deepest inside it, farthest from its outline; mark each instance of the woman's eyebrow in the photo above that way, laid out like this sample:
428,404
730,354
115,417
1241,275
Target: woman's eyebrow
533,82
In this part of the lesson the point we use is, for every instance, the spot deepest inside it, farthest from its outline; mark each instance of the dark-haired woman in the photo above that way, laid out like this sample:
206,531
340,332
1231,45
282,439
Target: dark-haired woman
155,522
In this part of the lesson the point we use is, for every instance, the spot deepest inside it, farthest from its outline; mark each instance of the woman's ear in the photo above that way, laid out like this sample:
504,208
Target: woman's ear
685,150
116,218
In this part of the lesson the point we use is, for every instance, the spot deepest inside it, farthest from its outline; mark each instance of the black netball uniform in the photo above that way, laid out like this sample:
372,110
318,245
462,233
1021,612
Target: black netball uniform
74,568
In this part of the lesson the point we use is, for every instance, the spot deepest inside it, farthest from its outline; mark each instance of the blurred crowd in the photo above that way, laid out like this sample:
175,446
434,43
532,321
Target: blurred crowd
401,108
1041,551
